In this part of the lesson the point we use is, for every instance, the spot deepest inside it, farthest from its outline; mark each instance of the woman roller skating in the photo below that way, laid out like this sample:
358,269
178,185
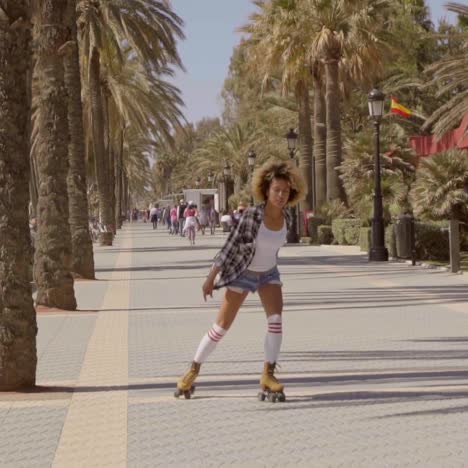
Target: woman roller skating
248,263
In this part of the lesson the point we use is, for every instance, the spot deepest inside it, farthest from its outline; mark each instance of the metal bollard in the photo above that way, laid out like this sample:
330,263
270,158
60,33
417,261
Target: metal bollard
413,241
454,237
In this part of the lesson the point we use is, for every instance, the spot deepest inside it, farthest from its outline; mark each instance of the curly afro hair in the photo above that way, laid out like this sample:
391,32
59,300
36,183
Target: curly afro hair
278,169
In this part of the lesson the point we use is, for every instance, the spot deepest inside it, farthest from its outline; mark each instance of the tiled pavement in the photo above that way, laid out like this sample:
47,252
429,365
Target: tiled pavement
374,360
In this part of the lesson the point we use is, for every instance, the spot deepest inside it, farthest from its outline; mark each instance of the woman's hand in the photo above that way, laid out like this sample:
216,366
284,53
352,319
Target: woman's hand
208,287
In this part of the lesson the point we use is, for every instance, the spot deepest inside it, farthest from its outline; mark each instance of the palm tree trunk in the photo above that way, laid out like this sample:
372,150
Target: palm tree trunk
100,160
52,265
82,246
18,328
320,141
33,190
305,142
110,155
118,180
126,204
334,145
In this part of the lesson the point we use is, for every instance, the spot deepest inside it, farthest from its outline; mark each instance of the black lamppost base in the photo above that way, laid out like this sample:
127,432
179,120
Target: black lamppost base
292,237
378,254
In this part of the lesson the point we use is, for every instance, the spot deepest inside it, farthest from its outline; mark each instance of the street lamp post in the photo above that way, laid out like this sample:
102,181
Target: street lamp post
227,176
293,235
251,157
197,182
210,177
378,252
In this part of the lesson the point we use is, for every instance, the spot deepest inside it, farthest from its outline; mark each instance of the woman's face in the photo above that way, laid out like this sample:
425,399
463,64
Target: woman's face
278,193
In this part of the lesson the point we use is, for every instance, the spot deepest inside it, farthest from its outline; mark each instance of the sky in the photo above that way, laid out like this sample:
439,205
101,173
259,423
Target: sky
210,30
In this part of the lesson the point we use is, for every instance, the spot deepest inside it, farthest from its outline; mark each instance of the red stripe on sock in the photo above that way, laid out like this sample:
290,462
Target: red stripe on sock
215,333
212,337
276,332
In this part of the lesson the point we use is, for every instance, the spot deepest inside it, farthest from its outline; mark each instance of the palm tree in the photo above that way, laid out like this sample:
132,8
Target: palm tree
451,76
107,28
229,145
52,265
279,43
82,246
320,135
343,30
17,315
440,188
357,174
148,101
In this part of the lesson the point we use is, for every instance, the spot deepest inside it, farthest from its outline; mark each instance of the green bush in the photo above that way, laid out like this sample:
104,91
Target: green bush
365,238
325,234
432,241
346,231
313,225
390,240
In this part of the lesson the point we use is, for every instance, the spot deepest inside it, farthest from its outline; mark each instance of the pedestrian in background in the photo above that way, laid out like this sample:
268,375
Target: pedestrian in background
248,263
180,216
154,216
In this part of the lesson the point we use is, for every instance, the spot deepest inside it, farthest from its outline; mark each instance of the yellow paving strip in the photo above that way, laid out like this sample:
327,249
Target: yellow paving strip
95,430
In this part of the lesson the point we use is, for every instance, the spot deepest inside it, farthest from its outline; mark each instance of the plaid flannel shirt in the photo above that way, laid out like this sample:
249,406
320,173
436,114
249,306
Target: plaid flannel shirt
239,248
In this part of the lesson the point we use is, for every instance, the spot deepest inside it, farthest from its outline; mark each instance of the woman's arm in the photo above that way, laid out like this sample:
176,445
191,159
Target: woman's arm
208,285
233,239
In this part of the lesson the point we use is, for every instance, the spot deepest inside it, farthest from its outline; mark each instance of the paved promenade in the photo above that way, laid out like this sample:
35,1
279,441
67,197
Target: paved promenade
375,362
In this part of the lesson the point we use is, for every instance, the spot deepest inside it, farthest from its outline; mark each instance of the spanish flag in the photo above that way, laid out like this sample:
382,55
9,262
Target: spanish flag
397,108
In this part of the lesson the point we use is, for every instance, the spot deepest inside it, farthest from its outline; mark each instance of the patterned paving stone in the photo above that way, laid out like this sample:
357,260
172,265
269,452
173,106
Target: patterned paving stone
374,360
62,343
29,435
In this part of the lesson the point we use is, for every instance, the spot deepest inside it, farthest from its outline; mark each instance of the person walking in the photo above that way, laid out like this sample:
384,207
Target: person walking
180,216
203,218
154,216
212,219
174,220
248,263
190,226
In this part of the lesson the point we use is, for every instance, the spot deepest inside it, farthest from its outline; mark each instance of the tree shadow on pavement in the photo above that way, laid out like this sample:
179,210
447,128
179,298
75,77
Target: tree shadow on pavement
370,378
178,248
379,296
156,268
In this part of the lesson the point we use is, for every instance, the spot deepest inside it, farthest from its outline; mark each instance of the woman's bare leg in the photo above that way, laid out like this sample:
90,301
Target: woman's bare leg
271,296
229,308
272,300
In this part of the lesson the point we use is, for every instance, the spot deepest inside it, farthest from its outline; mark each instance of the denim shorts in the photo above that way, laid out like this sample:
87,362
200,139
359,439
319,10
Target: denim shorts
252,280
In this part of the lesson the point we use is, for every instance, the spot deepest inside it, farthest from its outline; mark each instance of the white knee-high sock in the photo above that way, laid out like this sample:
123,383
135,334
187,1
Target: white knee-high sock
273,338
208,343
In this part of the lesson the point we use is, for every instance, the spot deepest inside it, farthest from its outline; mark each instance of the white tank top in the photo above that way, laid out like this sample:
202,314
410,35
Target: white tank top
267,245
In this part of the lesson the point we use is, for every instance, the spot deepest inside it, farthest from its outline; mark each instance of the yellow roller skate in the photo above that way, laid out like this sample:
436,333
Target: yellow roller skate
272,389
185,383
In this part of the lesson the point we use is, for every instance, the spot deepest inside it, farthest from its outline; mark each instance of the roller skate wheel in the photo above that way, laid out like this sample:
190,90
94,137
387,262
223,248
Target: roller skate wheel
177,393
192,389
281,397
272,397
261,396
187,394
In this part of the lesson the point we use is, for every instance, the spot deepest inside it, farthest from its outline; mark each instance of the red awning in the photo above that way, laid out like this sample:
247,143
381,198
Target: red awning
427,145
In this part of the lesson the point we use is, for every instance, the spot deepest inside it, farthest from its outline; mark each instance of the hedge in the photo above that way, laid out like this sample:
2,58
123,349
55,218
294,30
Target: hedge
325,234
365,238
390,240
431,241
313,225
346,231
